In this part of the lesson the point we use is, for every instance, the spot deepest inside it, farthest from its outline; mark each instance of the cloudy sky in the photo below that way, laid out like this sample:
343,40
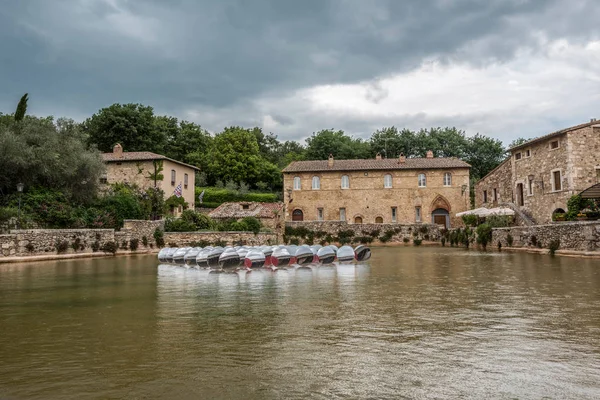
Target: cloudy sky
504,68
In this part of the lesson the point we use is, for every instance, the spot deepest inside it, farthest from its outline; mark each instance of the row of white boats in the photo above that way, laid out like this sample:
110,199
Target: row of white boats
253,257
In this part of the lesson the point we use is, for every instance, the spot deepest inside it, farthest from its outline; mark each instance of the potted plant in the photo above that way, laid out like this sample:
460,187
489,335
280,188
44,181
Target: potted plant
581,217
559,217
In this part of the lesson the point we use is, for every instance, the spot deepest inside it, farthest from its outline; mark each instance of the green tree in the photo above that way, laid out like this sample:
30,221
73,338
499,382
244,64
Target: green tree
390,142
156,175
484,154
518,142
21,108
132,125
325,142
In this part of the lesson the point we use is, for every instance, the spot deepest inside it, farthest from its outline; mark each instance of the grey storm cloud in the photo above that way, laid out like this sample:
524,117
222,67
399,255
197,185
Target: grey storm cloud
221,57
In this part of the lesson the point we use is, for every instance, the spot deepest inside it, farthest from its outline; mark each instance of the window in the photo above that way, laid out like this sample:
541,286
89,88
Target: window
387,181
495,194
520,197
394,214
422,180
319,214
342,214
556,181
597,174
527,153
379,220
358,220
418,214
554,145
345,182
530,187
316,183
517,156
485,196
297,183
173,176
185,181
103,179
245,206
447,179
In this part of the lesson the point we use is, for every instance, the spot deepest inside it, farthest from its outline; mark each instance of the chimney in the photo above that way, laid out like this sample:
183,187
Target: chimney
118,150
593,120
402,158
330,161
378,156
429,154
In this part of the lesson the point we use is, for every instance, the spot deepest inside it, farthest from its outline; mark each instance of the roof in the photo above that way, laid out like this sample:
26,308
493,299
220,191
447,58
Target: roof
593,192
255,209
140,156
557,133
375,164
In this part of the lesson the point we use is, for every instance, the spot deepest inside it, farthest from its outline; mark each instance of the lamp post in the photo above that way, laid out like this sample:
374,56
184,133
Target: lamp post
20,187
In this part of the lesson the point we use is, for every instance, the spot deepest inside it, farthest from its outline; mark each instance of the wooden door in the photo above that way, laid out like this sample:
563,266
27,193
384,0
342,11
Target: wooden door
297,215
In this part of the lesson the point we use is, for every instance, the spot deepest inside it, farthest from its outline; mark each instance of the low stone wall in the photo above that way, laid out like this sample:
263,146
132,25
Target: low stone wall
422,231
43,241
181,239
137,229
579,236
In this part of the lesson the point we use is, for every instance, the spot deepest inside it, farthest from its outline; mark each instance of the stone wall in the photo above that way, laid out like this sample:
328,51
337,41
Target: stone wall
181,239
580,236
44,241
401,231
137,229
498,180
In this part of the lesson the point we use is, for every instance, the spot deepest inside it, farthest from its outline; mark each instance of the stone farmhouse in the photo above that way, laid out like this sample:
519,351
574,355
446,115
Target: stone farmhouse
136,168
399,190
269,214
540,176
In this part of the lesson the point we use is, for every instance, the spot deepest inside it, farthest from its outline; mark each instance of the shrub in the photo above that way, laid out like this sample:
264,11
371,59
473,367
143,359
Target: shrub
574,205
363,239
443,241
124,245
553,246
384,239
173,244
61,246
29,247
533,240
218,196
145,240
76,245
417,242
498,221
179,225
499,245
426,237
295,241
134,244
110,247
423,229
200,243
252,224
219,242
159,237
484,235
470,219
199,220
96,246
509,240
405,240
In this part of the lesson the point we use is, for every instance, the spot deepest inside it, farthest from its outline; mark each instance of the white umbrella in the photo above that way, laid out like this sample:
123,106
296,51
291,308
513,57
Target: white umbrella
499,211
476,211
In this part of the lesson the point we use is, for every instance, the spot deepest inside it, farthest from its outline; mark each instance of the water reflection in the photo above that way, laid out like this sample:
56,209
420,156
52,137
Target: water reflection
413,322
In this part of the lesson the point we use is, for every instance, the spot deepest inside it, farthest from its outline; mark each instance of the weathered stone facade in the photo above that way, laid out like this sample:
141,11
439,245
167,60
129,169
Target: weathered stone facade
542,174
358,191
579,236
43,241
182,239
270,215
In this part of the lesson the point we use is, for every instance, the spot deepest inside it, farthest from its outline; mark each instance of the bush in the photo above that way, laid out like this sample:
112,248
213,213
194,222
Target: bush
406,240
252,224
295,241
499,245
178,225
219,242
423,229
553,246
443,241
110,247
145,240
61,246
124,245
470,219
30,247
384,239
159,237
134,244
509,240
95,246
533,240
217,196
76,245
199,220
363,239
484,235
574,205
417,242
200,243
498,221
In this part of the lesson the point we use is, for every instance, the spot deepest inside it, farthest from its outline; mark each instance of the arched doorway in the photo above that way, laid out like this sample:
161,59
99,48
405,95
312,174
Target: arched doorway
379,220
558,211
358,220
297,215
441,217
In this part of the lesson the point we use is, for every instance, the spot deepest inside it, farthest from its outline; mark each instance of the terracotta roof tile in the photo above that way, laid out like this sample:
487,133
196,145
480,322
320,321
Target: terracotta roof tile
140,156
374,164
235,210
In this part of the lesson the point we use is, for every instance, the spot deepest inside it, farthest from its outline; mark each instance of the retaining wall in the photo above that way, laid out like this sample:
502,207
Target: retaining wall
182,239
580,236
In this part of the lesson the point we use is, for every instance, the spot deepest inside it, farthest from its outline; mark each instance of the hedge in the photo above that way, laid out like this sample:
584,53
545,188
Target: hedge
213,197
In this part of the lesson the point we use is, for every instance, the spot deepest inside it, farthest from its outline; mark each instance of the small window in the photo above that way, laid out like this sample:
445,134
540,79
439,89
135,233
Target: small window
447,179
245,206
422,180
394,214
345,182
517,156
316,183
527,153
387,181
342,214
185,181
103,179
554,144
358,220
379,220
530,187
297,183
597,174
495,194
173,176
418,214
485,196
556,181
319,214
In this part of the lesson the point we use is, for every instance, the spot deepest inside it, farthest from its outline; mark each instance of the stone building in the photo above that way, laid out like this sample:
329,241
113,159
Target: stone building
137,168
542,174
400,190
269,214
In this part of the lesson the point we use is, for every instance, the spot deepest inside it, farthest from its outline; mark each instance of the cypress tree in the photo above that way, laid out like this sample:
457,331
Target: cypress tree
21,108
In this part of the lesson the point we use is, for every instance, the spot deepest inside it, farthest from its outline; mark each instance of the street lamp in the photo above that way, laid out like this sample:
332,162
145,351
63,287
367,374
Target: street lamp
20,187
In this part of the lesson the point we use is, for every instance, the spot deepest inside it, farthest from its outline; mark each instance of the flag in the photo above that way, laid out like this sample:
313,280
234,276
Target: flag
178,190
200,197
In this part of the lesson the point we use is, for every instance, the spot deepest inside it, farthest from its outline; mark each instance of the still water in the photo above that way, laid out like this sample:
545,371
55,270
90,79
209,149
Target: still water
410,323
